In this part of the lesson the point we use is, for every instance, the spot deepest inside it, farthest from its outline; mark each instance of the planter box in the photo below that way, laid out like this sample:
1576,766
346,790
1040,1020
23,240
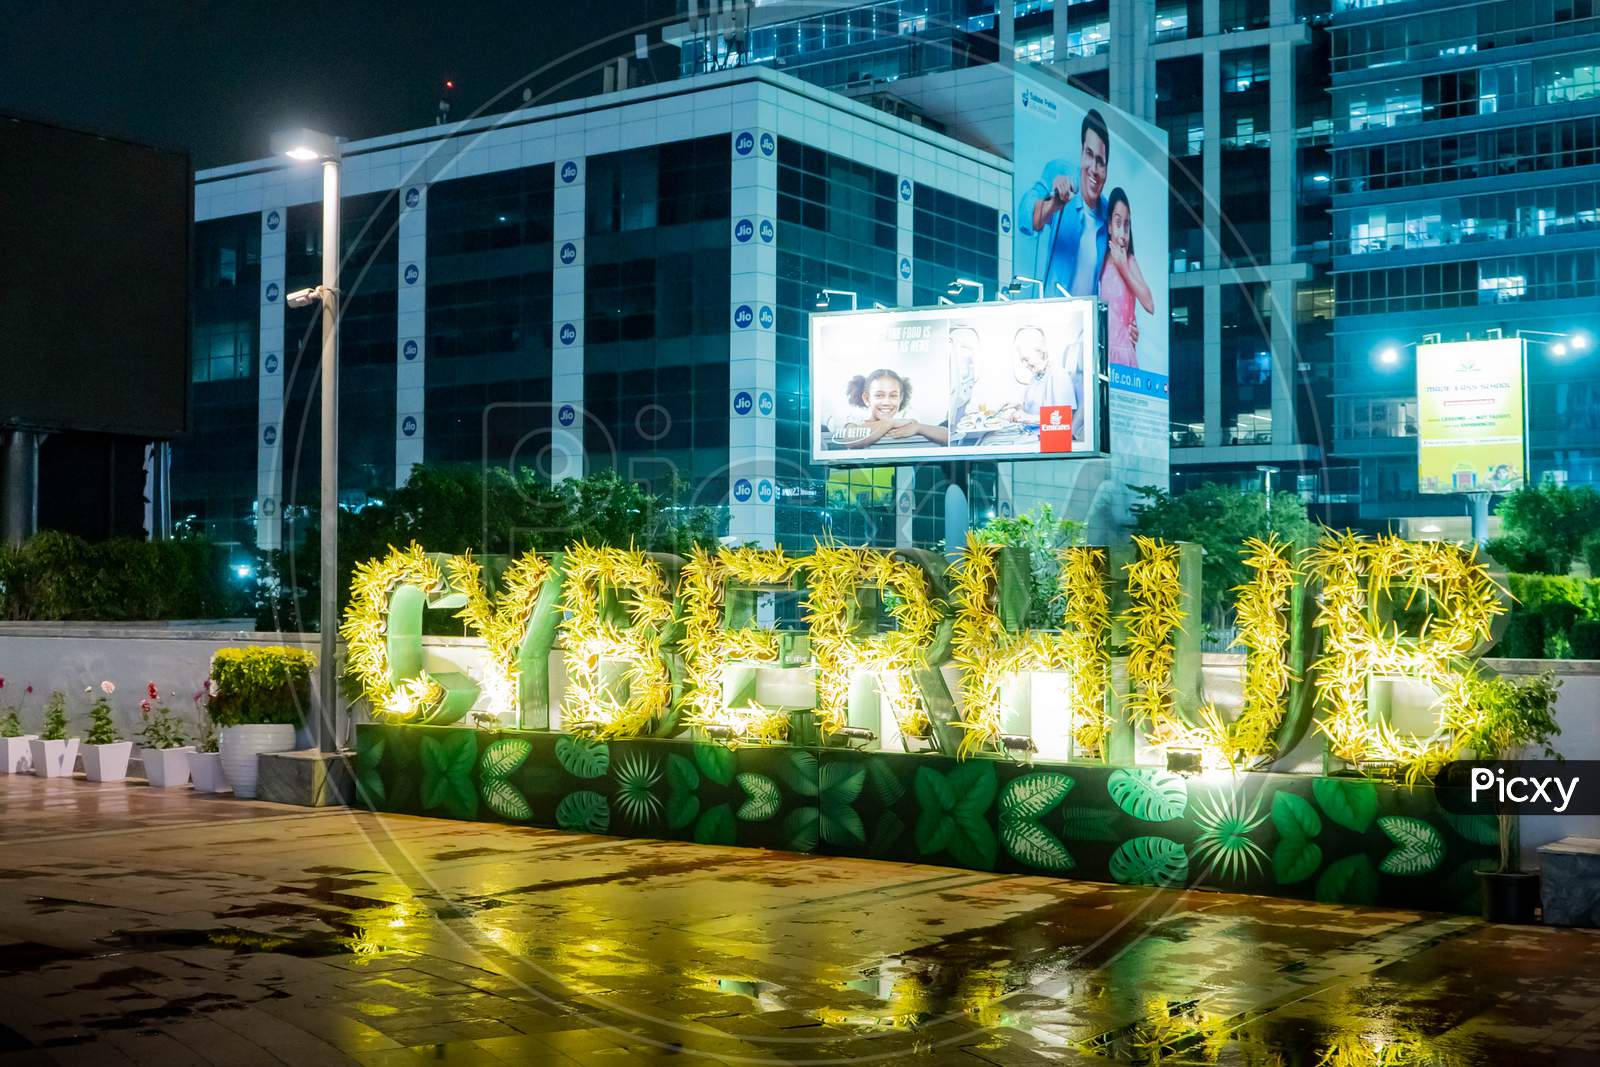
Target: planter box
53,759
241,745
15,755
166,768
107,763
205,771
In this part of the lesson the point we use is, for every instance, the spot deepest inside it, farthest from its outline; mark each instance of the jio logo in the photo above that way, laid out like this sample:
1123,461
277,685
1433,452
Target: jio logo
766,402
413,196
766,231
743,231
569,333
905,267
741,490
742,403
269,436
408,425
766,317
1005,222
768,145
743,316
764,491
271,363
273,219
905,188
569,254
412,274
567,415
569,172
744,143
410,350
272,292
268,505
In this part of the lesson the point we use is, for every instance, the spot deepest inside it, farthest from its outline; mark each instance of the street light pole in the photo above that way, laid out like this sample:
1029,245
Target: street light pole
307,145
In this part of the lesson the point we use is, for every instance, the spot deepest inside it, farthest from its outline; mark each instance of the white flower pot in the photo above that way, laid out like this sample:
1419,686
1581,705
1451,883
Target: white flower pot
54,759
241,745
107,763
205,771
166,768
15,755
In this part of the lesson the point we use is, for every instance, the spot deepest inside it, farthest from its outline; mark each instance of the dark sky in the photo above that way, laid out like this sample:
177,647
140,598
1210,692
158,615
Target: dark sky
217,78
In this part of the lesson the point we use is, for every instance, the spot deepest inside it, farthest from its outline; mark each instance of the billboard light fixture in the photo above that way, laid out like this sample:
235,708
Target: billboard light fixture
825,298
961,285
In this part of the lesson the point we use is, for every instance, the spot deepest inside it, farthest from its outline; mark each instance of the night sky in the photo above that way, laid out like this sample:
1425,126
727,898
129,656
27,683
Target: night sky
217,78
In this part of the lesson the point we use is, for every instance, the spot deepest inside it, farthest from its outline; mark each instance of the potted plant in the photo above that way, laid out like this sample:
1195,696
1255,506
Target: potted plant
162,746
257,696
1510,719
15,757
105,756
205,762
52,752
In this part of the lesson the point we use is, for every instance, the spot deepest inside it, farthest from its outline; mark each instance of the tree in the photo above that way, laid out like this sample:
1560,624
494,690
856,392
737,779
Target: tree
1219,518
1543,528
1043,535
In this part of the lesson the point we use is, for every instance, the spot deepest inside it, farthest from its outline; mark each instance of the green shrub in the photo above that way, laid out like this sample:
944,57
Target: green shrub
1515,554
261,685
1585,638
1523,638
55,576
55,718
1591,554
101,729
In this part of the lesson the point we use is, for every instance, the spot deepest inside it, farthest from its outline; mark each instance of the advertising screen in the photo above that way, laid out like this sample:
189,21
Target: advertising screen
1091,196
1002,380
1470,417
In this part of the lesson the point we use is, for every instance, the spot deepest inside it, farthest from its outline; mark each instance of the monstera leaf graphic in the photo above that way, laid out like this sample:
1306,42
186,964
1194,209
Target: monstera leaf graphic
1350,802
1147,794
1420,847
582,757
1023,803
953,813
762,798
447,761
584,811
498,761
1153,861
369,755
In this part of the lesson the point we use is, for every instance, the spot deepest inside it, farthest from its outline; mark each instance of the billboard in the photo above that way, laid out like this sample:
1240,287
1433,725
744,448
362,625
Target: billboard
1002,380
1091,204
94,317
1470,417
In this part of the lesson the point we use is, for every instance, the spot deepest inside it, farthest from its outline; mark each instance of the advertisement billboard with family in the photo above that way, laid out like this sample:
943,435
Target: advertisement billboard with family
1091,221
977,381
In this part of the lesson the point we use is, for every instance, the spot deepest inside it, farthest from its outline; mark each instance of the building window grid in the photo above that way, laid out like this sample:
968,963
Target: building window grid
1461,30
1491,90
1566,275
1543,212
1490,153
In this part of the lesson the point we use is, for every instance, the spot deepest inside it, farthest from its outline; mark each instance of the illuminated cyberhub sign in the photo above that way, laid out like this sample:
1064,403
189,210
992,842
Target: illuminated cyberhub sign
1006,380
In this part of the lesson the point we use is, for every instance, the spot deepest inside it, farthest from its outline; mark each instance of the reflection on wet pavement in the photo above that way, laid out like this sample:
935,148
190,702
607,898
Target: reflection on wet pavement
143,926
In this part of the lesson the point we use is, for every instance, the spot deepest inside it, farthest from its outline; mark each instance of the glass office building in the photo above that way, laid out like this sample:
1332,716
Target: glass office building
1465,206
620,282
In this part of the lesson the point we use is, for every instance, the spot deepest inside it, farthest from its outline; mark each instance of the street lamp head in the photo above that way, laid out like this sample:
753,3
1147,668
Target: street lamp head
1558,349
305,145
1389,356
1579,342
302,298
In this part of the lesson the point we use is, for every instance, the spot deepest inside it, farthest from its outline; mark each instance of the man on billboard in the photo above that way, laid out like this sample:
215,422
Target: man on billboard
1066,214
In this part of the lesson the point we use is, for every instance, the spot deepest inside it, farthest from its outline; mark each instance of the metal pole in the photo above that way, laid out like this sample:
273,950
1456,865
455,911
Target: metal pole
326,726
19,486
1479,504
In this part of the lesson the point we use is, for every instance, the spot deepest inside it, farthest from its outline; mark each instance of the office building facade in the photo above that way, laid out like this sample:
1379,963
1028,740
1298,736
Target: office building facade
1465,207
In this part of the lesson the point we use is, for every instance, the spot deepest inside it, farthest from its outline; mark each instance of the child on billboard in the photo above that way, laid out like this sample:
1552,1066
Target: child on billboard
877,405
1122,284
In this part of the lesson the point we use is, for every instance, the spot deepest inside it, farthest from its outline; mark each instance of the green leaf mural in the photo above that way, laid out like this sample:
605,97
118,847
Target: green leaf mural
681,775
369,757
1350,802
1033,795
953,813
886,833
504,756
636,775
716,827
715,762
504,799
1030,843
800,829
1084,823
885,783
1294,816
1153,861
762,797
584,811
682,808
1295,859
447,760
1224,846
582,757
801,773
1349,881
838,786
1420,847
1147,794
1479,829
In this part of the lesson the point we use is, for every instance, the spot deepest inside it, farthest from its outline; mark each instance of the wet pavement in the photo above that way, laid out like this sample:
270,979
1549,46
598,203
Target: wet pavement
148,926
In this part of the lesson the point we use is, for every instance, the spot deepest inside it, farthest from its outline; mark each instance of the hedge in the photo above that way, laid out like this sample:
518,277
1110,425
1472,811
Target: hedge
1553,616
59,577
266,684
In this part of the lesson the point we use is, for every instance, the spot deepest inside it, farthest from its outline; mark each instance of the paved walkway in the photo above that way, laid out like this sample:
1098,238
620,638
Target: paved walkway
145,926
